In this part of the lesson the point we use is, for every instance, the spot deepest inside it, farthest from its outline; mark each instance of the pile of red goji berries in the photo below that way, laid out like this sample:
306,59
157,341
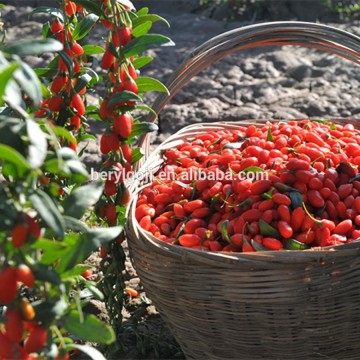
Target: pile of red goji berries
304,189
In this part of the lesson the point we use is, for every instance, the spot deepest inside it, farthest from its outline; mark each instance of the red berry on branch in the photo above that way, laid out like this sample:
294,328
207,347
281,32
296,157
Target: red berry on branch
128,75
19,234
14,325
110,212
8,285
109,142
110,188
70,8
107,60
77,49
123,125
127,153
76,122
56,26
36,340
6,347
124,35
78,104
58,83
55,103
25,275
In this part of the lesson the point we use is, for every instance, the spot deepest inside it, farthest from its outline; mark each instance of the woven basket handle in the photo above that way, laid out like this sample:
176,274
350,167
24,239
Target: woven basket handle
322,37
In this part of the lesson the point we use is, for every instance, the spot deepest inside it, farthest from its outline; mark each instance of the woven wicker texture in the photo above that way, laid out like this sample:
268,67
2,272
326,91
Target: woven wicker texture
263,305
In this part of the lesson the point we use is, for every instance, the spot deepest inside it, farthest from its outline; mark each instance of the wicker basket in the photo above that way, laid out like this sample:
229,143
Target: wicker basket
263,305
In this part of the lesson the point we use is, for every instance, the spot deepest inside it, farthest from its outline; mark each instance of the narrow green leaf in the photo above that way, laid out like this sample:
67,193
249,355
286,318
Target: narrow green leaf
93,50
88,327
84,26
91,6
45,30
257,246
146,108
10,155
48,211
150,84
82,81
148,18
80,246
143,11
47,10
253,169
268,230
143,128
67,60
136,155
292,244
224,231
141,29
49,310
82,198
33,47
46,72
75,224
145,42
269,136
284,188
141,61
45,272
37,148
6,73
123,96
296,199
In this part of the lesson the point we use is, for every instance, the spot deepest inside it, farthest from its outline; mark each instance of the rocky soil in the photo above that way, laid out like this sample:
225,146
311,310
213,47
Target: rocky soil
269,82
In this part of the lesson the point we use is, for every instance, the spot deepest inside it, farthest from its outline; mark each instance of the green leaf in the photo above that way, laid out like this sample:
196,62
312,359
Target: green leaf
76,271
269,136
84,26
268,230
146,108
123,96
33,47
284,188
141,29
82,198
148,18
253,169
141,61
136,155
46,72
145,42
67,60
6,73
47,10
80,246
292,244
143,128
46,273
82,81
37,148
49,310
48,211
88,327
224,231
91,6
143,11
10,155
45,29
75,224
150,84
93,50
88,350
296,199
257,246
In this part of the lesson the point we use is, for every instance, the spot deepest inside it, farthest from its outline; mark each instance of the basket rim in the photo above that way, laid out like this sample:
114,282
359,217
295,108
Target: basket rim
137,234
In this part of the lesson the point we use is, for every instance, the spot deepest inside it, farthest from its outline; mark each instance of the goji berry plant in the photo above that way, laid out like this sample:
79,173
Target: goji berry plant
45,197
303,190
